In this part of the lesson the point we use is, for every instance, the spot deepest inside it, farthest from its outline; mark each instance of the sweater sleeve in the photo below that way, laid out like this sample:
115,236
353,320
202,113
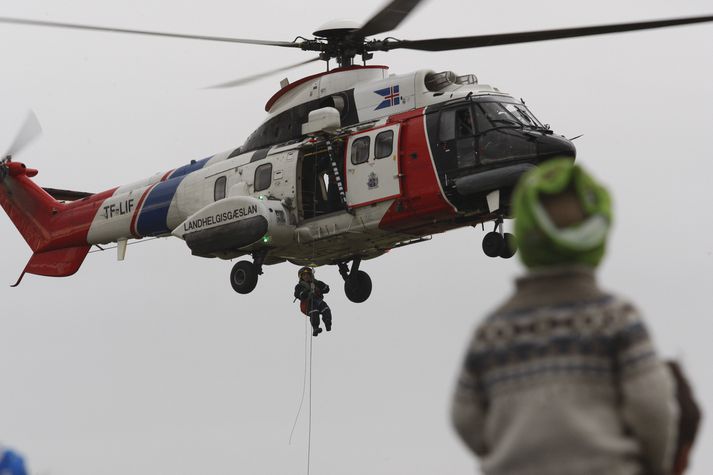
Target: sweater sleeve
648,393
468,408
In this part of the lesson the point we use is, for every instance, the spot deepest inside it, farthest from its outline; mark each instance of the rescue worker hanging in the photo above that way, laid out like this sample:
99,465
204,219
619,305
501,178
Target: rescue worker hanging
310,293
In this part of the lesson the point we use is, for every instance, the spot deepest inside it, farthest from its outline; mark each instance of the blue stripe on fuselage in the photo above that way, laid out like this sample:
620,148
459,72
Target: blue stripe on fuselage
152,220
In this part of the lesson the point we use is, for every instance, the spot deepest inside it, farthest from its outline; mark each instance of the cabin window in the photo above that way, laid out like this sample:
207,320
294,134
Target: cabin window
337,101
360,150
340,104
219,188
384,144
263,177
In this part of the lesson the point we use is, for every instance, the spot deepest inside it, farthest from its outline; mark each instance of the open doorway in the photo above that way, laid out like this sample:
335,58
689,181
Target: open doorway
319,192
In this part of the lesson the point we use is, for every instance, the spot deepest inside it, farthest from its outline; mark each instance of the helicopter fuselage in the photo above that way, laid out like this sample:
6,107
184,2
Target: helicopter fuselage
401,158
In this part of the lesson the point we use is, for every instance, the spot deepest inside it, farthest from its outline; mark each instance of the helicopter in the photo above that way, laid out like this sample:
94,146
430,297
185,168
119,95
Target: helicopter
349,163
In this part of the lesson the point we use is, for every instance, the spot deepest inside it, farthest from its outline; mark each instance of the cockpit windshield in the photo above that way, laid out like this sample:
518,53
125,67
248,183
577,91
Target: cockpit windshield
499,114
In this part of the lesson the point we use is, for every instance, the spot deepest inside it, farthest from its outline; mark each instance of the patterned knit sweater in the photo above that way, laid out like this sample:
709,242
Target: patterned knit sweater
563,379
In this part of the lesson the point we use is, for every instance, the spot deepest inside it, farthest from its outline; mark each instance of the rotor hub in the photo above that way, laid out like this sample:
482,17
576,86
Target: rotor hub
340,40
337,29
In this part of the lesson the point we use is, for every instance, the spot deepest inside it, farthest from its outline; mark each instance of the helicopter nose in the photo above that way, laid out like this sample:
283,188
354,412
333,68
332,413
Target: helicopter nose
553,146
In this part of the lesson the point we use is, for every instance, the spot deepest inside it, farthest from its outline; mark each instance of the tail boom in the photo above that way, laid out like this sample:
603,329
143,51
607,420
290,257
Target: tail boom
56,232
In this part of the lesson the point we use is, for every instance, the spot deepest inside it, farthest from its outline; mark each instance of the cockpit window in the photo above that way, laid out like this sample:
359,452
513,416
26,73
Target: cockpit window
521,113
455,123
497,115
526,112
464,123
501,114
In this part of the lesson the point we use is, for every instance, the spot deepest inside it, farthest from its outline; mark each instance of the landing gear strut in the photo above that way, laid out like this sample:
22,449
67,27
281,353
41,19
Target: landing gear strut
499,244
357,283
244,276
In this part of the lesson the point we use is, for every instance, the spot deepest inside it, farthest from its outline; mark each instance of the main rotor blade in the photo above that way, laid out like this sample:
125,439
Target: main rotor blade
255,77
54,24
30,130
388,18
480,41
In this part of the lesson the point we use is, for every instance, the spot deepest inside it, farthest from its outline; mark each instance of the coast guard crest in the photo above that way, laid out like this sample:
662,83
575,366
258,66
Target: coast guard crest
373,181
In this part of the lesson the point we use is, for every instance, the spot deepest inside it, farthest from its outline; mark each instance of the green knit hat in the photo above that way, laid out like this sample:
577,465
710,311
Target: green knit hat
540,241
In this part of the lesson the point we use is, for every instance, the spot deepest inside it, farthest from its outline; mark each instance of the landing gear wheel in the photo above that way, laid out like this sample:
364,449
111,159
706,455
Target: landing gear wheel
509,246
243,277
358,287
493,243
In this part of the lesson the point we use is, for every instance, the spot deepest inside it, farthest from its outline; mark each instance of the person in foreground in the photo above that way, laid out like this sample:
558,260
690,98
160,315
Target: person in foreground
11,463
563,377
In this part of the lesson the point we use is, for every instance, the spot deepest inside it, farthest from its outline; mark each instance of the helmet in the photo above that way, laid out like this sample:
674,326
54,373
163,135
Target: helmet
303,270
562,216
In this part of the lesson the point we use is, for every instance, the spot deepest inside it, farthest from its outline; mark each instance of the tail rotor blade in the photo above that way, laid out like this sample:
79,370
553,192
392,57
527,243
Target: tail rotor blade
30,130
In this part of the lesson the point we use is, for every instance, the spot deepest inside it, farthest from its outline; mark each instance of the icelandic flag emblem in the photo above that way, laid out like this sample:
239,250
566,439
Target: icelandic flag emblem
390,95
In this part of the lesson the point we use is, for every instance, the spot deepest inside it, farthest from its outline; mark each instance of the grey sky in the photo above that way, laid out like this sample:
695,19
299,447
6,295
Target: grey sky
155,366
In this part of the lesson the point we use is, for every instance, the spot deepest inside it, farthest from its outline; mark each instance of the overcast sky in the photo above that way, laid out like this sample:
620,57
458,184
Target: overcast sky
155,366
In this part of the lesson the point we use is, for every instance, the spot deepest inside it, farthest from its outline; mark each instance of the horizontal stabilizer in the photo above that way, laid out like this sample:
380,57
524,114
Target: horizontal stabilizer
66,195
56,263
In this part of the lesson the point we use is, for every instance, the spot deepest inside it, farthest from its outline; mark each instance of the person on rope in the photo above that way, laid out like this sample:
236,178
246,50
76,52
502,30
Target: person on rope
563,377
11,463
310,292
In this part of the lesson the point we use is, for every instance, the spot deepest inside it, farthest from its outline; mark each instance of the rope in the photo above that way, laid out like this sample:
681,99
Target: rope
304,383
308,326
309,429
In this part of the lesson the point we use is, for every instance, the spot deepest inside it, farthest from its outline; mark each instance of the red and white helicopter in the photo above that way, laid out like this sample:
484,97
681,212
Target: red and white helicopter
348,164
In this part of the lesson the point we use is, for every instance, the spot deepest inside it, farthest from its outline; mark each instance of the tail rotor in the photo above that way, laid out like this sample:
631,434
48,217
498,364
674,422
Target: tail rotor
27,134
3,167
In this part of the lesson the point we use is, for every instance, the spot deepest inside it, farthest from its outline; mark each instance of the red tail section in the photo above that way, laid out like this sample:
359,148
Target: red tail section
57,263
29,207
56,232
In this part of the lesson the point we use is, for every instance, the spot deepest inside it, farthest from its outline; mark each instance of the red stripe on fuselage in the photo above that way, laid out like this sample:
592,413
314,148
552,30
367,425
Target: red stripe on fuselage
422,203
167,174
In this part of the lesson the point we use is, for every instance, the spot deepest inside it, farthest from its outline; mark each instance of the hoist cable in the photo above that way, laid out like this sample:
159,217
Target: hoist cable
304,383
309,426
